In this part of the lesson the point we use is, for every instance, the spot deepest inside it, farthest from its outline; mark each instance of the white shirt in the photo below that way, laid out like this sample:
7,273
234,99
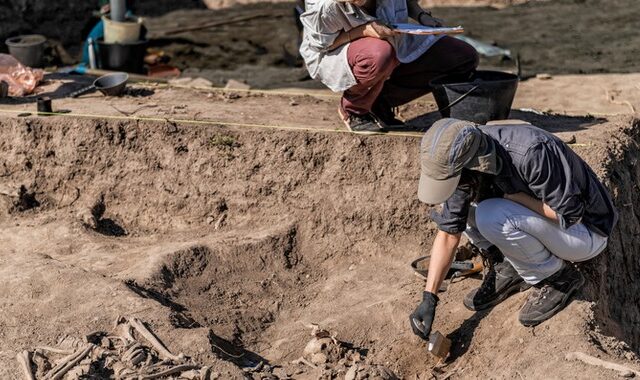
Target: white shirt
323,22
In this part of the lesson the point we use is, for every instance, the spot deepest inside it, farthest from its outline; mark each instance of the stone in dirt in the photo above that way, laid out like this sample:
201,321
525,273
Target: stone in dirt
233,84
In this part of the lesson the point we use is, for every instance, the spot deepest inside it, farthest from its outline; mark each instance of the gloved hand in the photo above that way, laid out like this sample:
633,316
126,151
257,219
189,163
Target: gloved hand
422,318
425,18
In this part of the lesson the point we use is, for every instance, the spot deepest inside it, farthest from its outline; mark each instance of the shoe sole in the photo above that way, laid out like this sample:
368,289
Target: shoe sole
555,310
346,124
513,289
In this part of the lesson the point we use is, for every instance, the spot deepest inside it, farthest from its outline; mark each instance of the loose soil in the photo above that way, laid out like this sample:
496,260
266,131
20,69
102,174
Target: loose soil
233,222
553,37
235,240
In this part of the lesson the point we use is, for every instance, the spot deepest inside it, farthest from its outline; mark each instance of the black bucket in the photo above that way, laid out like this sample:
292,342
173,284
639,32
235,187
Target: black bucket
28,49
128,57
486,96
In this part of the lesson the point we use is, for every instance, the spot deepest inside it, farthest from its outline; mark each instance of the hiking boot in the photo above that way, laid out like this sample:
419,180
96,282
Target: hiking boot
386,114
364,124
500,281
550,296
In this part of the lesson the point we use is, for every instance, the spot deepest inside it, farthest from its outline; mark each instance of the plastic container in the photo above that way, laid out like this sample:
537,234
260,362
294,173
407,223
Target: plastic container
28,49
488,95
122,32
127,57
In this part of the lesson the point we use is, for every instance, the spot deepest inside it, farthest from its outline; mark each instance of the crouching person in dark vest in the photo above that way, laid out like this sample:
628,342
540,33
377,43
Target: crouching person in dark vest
528,204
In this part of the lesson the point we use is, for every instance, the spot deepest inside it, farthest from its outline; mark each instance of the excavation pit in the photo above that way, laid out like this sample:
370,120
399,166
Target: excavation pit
238,245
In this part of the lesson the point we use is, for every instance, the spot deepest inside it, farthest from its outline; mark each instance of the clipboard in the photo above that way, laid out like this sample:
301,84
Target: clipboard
426,30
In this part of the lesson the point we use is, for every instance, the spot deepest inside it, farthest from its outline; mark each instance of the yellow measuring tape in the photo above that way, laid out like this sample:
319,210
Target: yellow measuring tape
212,122
232,124
247,91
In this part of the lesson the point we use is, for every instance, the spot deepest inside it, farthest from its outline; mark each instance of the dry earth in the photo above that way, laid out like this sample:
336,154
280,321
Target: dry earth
554,37
230,222
231,239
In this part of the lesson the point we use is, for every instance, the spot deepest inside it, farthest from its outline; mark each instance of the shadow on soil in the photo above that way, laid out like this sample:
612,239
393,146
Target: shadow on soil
550,122
463,335
109,227
237,355
180,317
71,83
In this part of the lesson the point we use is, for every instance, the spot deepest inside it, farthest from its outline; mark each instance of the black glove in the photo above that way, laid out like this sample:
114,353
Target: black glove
422,318
425,18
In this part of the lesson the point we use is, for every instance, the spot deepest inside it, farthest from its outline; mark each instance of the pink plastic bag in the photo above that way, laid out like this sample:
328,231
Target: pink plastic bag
22,80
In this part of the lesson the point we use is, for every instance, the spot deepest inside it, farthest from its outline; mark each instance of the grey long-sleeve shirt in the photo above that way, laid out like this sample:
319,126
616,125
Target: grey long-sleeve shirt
539,164
324,20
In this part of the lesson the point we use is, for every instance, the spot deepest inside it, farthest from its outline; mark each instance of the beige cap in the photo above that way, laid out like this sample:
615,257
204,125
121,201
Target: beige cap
446,148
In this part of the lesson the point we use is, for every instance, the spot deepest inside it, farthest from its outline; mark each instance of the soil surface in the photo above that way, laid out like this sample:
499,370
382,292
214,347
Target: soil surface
230,236
552,37
249,229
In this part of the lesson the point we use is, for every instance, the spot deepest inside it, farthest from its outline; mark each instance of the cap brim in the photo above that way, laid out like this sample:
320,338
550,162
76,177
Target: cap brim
434,191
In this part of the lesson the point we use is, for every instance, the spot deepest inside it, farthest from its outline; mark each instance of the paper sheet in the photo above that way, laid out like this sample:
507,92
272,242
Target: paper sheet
426,30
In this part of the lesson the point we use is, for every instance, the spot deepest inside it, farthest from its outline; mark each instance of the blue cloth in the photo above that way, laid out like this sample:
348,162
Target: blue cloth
96,33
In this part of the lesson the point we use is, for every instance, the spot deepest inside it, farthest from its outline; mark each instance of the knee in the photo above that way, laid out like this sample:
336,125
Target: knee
463,56
470,58
492,219
474,58
379,58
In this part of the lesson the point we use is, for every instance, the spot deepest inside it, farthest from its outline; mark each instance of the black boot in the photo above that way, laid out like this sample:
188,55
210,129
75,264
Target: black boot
385,113
499,282
550,296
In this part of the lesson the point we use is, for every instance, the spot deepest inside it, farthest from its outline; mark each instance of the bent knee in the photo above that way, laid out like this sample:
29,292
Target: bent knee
470,55
378,57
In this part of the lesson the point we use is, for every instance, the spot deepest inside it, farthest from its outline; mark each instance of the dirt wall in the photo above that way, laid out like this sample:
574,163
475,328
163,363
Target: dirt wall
615,287
252,234
181,177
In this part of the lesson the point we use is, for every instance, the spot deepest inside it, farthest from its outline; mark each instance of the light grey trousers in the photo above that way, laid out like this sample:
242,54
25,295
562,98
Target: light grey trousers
535,246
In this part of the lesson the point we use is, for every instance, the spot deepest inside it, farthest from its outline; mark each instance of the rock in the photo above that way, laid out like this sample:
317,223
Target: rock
191,82
627,374
280,373
191,375
351,373
319,358
570,140
543,76
313,346
233,84
316,345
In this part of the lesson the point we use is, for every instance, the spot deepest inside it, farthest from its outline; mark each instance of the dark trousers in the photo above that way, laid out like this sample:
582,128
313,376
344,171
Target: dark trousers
388,83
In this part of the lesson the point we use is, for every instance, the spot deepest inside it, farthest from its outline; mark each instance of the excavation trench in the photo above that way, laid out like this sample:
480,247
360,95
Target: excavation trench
281,230
615,287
